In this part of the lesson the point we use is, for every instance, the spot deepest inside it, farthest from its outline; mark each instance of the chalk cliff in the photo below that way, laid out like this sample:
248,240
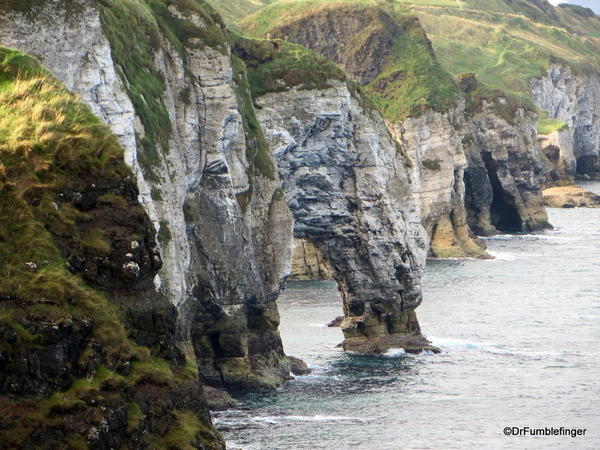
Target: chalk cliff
379,50
574,98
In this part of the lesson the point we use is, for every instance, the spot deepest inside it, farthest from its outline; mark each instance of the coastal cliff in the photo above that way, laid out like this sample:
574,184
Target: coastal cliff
202,167
573,97
221,211
348,188
160,218
88,356
390,56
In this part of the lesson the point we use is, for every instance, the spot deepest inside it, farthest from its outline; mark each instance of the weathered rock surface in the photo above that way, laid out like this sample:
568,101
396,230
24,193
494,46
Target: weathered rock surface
573,98
309,263
349,192
560,161
364,46
570,197
223,262
80,363
435,149
505,172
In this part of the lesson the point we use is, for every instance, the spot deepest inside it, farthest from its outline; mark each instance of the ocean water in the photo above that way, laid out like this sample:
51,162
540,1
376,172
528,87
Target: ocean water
520,337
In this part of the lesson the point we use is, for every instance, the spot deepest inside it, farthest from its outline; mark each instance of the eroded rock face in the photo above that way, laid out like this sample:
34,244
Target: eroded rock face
574,99
435,149
223,264
505,172
309,263
431,140
558,157
349,192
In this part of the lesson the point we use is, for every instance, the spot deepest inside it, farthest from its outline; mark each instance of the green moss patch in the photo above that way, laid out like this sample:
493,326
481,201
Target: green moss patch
547,126
276,66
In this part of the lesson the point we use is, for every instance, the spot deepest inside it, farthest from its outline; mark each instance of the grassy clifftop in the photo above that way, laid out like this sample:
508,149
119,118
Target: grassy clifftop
68,216
377,44
505,44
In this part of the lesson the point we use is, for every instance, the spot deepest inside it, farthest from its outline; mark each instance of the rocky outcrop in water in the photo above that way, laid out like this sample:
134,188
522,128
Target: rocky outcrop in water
570,197
348,188
574,98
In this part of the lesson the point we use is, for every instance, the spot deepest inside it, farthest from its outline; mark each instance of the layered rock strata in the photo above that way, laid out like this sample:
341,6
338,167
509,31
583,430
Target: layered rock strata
349,192
429,138
224,235
505,173
574,98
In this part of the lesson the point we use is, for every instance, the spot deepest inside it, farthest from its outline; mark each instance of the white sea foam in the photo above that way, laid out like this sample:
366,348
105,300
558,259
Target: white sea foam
503,256
395,352
273,420
456,343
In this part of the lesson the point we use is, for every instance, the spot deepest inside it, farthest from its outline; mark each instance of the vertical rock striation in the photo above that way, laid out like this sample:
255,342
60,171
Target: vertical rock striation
88,355
573,98
308,262
179,109
349,192
435,149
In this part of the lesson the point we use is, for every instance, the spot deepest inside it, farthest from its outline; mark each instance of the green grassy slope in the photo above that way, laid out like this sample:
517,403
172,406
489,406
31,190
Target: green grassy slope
409,79
504,43
235,10
505,47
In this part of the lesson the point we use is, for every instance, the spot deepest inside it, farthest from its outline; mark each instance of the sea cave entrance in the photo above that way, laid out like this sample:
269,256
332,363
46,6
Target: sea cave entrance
503,210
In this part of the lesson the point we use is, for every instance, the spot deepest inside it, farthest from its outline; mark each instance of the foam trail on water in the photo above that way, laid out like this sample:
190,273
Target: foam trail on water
395,352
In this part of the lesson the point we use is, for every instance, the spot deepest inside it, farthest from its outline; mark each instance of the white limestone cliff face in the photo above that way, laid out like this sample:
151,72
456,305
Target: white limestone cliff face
223,265
434,147
505,172
350,194
573,98
560,162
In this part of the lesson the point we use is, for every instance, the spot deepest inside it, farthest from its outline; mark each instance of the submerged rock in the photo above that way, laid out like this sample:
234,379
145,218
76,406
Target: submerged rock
299,367
337,322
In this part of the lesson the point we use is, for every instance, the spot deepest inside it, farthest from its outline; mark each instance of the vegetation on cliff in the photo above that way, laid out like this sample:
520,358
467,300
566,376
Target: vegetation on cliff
504,44
136,30
276,66
70,374
409,80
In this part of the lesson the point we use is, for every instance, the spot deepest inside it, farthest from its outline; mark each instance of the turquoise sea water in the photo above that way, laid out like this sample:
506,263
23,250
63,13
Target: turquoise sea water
520,337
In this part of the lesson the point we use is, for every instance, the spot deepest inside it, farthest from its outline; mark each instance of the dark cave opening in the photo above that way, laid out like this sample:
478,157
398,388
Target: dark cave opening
504,214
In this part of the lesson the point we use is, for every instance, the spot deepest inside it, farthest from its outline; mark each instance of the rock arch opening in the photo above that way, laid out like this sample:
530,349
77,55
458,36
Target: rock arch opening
503,210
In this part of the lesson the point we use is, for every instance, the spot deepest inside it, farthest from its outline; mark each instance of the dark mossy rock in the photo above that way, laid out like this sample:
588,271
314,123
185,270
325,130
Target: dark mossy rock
299,367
